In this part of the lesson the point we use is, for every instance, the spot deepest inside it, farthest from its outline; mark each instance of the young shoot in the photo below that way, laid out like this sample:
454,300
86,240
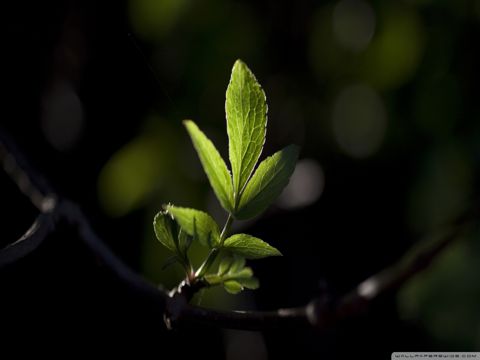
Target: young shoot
244,191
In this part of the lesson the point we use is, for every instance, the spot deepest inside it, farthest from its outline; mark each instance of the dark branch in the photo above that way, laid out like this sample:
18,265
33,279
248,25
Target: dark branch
319,313
322,313
29,241
246,320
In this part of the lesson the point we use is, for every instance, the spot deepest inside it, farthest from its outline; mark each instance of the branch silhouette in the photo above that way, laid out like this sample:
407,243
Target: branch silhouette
319,313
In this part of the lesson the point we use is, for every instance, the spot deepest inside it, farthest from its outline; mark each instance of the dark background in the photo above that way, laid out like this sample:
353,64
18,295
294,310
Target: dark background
381,96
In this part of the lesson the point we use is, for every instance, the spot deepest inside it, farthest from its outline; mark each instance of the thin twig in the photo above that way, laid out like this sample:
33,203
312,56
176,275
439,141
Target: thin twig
321,313
318,313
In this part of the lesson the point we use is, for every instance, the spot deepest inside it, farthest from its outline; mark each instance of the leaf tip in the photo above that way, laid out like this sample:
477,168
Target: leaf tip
158,216
188,123
276,252
242,69
239,63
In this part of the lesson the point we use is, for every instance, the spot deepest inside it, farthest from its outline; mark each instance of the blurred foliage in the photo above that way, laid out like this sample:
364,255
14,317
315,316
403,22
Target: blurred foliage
444,299
388,59
443,189
155,18
145,166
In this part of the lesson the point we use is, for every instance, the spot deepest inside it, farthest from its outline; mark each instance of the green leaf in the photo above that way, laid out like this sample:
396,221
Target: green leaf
250,283
196,223
246,110
245,278
245,273
213,164
163,225
237,265
268,181
184,241
213,279
232,286
225,265
250,247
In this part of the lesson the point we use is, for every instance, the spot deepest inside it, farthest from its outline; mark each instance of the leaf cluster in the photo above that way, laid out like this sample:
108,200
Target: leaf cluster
244,191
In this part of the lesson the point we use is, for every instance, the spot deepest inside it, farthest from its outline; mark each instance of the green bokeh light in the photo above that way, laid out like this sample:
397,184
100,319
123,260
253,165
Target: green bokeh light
155,18
444,299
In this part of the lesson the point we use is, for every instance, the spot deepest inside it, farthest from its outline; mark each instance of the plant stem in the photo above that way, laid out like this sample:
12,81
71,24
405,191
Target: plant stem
212,255
226,229
214,252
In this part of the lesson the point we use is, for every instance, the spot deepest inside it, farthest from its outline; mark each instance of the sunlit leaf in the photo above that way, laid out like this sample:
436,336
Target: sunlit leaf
163,227
267,182
250,247
213,279
237,264
246,110
245,278
213,164
196,223
250,283
225,265
243,273
232,286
